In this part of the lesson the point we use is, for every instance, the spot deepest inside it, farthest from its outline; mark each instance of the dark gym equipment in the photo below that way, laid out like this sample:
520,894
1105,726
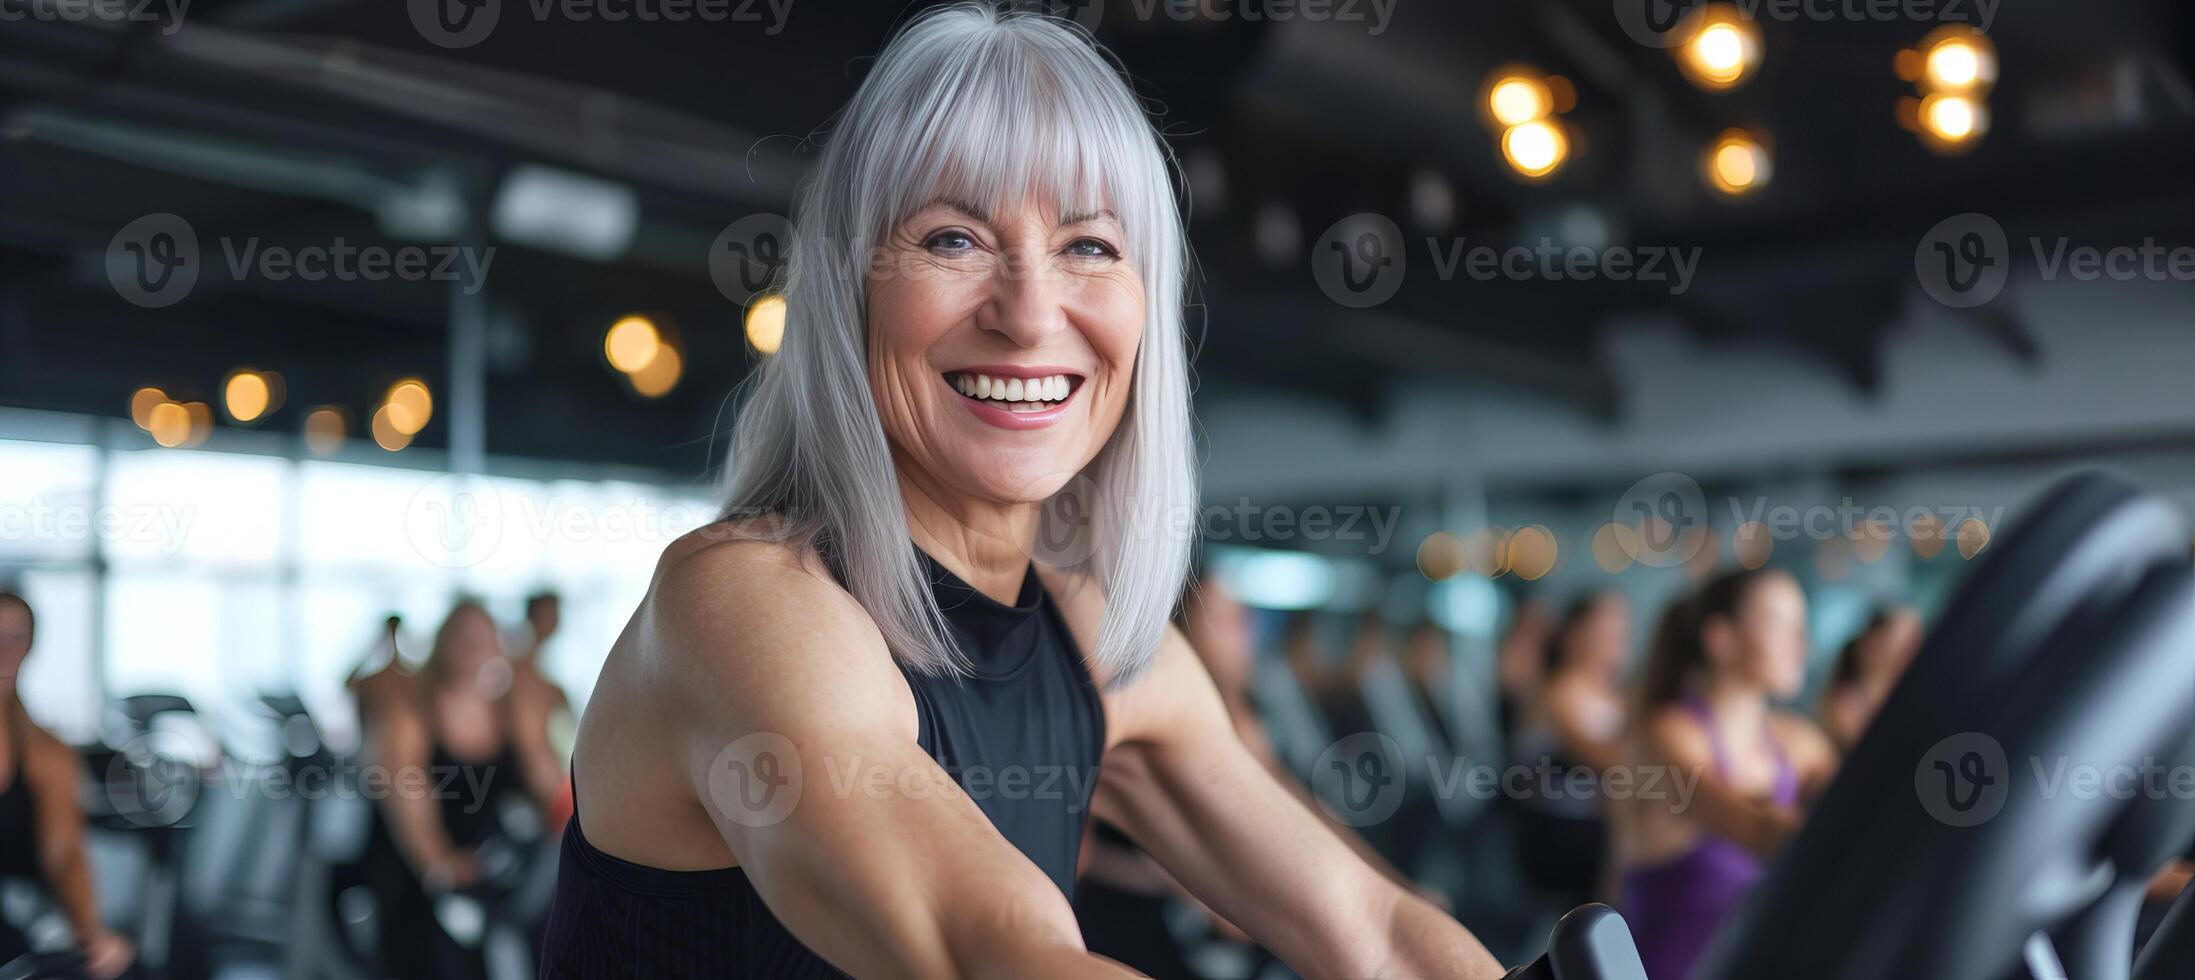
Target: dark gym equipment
1590,942
2072,642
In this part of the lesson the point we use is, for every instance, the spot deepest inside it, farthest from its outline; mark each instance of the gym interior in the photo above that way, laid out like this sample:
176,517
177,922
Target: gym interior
1529,346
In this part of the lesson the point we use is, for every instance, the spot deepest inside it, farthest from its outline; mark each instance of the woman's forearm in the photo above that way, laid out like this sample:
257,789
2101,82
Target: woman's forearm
1425,942
68,874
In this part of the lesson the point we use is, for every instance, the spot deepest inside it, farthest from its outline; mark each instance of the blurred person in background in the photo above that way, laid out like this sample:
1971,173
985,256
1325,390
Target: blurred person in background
384,670
1867,669
448,726
540,713
1719,662
1575,726
1522,665
41,825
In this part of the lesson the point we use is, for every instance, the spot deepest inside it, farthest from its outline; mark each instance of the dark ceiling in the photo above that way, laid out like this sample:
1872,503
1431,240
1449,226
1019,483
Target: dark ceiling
283,121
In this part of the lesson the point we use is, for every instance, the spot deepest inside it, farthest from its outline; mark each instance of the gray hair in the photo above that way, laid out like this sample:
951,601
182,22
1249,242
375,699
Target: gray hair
973,103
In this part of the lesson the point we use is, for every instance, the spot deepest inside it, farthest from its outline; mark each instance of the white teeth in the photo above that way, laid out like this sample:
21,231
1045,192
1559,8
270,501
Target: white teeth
1015,394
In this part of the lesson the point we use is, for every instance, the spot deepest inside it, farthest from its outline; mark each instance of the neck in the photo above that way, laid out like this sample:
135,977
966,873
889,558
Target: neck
987,544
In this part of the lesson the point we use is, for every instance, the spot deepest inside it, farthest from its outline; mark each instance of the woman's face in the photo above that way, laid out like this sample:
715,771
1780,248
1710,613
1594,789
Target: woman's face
1765,642
1001,345
1602,639
473,645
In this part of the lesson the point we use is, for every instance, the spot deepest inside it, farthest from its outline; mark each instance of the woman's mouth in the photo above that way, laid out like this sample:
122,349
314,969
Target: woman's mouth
1015,401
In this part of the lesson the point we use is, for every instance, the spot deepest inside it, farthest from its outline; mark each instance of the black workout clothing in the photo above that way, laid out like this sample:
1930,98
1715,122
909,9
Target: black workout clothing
1022,736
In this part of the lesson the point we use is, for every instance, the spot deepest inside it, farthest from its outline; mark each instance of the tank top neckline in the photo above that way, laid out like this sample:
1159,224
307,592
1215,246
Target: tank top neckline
1783,785
996,635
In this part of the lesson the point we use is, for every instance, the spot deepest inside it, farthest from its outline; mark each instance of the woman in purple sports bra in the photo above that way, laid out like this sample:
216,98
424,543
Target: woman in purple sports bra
1721,770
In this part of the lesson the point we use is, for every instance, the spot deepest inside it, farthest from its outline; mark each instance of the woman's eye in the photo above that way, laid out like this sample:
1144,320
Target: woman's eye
950,241
1091,248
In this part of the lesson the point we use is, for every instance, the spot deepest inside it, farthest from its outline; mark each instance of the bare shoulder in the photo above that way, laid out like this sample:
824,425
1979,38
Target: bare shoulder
1673,734
754,623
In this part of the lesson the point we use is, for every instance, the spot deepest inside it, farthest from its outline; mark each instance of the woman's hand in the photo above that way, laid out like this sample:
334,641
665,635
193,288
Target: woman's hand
106,953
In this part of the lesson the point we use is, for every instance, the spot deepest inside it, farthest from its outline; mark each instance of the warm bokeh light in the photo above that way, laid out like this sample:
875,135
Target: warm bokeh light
1516,99
386,433
1953,120
1615,547
169,423
766,323
631,343
247,396
1441,556
661,375
1721,47
325,429
1535,149
1532,552
1958,58
143,402
1973,537
1486,551
410,405
1752,544
1737,163
201,424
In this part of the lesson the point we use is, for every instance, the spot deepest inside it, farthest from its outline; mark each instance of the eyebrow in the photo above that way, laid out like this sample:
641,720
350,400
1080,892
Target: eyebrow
970,209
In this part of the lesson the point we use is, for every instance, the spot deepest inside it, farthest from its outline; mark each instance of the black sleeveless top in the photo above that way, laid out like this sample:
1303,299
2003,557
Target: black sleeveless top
18,817
1022,737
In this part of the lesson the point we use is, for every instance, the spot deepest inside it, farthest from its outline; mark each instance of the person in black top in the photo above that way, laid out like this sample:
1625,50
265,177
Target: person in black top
441,742
41,826
858,726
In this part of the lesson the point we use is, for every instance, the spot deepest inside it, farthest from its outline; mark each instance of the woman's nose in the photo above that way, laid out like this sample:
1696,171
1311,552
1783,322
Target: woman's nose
1028,300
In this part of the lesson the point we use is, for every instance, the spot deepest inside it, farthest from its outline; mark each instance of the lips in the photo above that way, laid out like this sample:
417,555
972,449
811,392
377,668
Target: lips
1013,397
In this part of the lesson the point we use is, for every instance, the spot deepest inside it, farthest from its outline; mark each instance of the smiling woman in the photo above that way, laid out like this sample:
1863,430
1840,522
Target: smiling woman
992,203
857,725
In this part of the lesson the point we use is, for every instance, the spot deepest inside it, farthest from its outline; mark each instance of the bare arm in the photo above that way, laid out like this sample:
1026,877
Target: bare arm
1568,706
799,740
1186,788
52,769
1759,826
535,700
